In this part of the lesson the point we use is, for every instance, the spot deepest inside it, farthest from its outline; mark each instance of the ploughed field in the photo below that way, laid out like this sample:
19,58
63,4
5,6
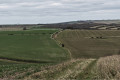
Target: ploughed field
91,43
31,46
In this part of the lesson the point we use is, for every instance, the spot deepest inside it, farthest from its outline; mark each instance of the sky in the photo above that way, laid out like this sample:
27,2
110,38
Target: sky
54,11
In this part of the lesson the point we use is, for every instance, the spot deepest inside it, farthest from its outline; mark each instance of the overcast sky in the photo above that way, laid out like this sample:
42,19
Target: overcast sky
52,11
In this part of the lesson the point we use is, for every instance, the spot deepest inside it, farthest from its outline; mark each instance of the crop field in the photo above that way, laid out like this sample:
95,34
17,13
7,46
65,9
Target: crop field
31,46
91,43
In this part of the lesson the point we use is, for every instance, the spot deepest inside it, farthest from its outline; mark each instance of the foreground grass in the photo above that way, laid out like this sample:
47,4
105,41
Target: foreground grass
81,45
109,67
19,71
89,72
65,70
78,69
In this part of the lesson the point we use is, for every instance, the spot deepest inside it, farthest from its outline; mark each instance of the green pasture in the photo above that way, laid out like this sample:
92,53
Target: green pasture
31,45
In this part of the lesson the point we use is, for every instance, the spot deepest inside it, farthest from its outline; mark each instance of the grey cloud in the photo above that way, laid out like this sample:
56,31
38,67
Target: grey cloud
59,10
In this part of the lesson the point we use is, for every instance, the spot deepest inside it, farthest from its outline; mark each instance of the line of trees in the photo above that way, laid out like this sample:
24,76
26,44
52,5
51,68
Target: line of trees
72,26
82,25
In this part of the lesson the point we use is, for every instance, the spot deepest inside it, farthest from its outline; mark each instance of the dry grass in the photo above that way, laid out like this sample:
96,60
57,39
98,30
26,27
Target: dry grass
109,67
66,70
72,73
50,71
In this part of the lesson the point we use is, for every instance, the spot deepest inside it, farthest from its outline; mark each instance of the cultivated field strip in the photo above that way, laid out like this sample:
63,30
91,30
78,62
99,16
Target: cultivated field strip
91,43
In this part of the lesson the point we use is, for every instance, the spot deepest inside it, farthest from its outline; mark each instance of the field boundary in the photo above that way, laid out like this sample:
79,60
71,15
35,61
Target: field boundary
33,61
54,35
21,60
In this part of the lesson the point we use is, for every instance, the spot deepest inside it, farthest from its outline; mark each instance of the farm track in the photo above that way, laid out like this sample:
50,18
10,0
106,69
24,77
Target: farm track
67,70
76,70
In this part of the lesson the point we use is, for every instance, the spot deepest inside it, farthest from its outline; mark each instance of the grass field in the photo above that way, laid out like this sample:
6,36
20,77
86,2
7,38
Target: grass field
31,45
84,43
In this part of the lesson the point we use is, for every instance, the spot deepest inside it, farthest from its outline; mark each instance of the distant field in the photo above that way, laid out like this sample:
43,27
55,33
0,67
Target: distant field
31,45
84,43
107,21
11,29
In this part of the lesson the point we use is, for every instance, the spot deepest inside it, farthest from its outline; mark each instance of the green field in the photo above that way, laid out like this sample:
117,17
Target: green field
82,45
31,46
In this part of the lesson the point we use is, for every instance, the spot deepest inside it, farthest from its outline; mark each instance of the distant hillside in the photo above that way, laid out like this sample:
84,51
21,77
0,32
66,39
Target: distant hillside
82,24
86,24
93,21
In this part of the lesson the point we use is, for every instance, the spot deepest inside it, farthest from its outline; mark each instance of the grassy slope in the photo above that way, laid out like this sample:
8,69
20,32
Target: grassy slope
80,44
31,45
